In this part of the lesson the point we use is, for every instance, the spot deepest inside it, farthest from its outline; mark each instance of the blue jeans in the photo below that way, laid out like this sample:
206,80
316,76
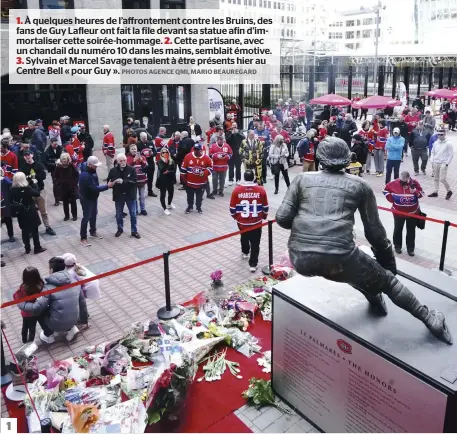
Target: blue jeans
395,165
142,197
131,205
89,216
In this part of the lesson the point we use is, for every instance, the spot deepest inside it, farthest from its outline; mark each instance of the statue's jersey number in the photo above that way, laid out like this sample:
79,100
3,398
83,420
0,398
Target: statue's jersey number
326,203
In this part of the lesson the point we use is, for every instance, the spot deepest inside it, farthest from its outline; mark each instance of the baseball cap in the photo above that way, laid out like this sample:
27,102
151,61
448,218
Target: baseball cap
74,130
94,161
198,146
39,121
28,153
54,139
357,137
396,130
441,132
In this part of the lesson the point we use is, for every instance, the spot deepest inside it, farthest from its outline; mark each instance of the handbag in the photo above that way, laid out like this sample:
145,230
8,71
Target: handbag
419,222
275,168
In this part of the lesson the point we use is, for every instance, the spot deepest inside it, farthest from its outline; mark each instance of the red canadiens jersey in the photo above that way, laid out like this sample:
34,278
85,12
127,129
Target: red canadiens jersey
73,155
9,164
283,133
196,170
302,109
79,149
109,147
159,143
249,204
220,156
381,138
139,166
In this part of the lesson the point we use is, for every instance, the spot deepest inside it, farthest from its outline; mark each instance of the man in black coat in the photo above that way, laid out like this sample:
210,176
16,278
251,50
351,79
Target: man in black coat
147,149
124,193
86,139
50,157
185,147
234,139
348,129
34,170
138,129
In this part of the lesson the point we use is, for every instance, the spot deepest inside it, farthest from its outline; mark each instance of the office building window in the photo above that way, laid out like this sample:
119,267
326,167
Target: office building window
11,4
367,21
349,35
351,46
350,23
172,4
136,4
57,4
366,34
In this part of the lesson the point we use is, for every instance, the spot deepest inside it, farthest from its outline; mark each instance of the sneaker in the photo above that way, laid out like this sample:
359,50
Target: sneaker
416,173
433,195
188,210
39,250
448,195
143,212
71,334
124,215
199,211
171,206
424,172
50,231
230,183
135,235
210,196
84,243
379,175
221,194
244,256
166,212
96,235
118,233
252,269
48,339
152,194
238,182
12,239
367,171
374,173
66,218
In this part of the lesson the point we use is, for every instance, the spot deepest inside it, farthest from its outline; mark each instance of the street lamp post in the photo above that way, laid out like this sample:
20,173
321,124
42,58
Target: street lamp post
377,9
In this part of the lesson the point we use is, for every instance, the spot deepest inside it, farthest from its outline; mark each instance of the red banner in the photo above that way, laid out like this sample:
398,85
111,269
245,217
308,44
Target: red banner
22,128
79,123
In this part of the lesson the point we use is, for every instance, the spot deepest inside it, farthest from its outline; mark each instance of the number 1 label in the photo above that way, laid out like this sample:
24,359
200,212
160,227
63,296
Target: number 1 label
8,425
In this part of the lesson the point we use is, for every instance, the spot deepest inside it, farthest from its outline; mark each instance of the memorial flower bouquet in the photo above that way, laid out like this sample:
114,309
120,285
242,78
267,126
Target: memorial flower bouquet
260,394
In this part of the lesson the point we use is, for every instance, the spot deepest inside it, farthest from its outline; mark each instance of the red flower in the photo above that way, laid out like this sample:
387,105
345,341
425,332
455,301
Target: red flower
198,324
165,379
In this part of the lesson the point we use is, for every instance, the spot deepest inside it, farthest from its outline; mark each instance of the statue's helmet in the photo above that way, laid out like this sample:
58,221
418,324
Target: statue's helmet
333,153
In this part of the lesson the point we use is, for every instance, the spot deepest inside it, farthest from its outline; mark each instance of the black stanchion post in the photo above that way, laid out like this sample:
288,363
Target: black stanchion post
169,311
443,248
267,268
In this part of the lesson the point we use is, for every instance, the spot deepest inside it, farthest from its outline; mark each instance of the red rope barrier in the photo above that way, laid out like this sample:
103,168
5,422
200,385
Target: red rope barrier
179,250
20,373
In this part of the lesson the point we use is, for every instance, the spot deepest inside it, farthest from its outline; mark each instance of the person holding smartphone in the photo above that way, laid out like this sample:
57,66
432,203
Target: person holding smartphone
404,194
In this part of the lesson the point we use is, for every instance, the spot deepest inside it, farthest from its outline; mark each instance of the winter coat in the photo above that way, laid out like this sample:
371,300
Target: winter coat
39,139
21,293
198,130
55,133
89,187
66,179
235,140
65,133
6,200
279,154
139,130
165,179
394,147
419,140
185,147
127,190
50,156
86,138
25,208
361,150
36,171
429,124
63,306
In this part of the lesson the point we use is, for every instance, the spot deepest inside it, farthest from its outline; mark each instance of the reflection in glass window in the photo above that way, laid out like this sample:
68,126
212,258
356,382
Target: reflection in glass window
57,4
11,4
165,101
180,103
127,99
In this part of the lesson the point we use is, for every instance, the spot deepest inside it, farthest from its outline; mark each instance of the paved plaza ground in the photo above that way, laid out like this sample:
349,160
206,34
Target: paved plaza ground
137,294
